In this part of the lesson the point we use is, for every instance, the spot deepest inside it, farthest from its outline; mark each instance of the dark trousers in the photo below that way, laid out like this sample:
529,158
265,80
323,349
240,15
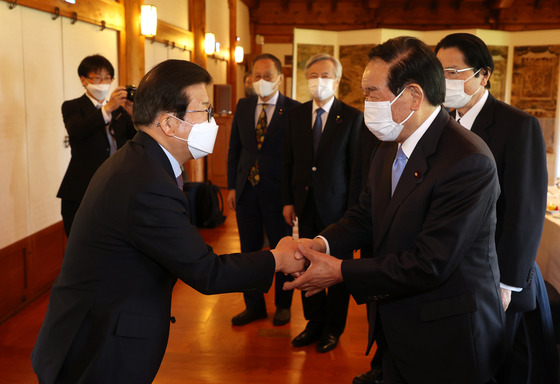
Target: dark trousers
257,216
531,356
68,210
328,309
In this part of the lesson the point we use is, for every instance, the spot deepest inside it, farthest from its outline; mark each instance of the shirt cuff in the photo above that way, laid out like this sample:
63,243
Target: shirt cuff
327,247
509,287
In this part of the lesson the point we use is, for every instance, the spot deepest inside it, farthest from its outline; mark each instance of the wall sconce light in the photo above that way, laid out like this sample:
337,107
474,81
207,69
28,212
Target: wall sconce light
239,54
148,20
209,43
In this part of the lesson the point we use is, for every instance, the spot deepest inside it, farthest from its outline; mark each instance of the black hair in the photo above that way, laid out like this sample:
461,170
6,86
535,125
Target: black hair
94,63
274,59
475,52
412,61
163,90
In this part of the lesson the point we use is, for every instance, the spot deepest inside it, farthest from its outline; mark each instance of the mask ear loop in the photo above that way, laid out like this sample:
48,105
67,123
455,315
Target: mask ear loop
395,99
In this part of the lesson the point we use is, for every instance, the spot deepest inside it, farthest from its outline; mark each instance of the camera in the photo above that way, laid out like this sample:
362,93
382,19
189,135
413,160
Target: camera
130,90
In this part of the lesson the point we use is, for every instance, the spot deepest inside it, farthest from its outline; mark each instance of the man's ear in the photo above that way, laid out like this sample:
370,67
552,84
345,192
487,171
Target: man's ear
486,73
165,123
417,94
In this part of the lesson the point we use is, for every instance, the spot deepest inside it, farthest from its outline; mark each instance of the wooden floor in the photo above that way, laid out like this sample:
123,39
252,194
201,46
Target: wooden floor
205,348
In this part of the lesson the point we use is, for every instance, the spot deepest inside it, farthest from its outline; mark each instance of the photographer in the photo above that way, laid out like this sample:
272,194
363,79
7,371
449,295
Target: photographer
97,126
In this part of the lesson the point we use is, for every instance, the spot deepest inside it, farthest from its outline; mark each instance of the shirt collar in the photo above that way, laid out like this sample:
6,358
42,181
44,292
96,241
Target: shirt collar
326,107
174,163
95,102
410,143
467,120
272,100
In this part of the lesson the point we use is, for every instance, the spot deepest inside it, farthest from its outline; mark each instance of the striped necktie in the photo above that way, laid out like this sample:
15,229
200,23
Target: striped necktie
260,132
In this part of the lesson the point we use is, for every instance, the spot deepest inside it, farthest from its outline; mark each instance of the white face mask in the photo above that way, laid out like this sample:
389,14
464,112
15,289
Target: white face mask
202,137
379,119
265,88
320,88
455,96
98,91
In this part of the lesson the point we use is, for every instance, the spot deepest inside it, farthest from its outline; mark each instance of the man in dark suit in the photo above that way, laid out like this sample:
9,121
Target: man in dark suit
319,148
109,309
429,207
254,168
516,141
96,128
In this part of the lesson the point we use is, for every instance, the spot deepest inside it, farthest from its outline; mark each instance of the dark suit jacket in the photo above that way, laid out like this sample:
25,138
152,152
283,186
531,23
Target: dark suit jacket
329,173
109,310
89,143
434,277
243,150
515,138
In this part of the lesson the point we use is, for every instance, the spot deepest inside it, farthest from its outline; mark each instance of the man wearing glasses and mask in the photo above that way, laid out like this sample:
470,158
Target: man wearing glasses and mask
516,141
97,126
109,310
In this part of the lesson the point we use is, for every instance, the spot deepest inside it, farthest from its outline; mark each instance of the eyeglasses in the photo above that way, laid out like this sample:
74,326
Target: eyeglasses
99,79
453,74
209,111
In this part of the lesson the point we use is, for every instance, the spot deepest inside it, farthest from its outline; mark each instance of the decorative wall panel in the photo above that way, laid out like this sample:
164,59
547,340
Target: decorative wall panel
354,59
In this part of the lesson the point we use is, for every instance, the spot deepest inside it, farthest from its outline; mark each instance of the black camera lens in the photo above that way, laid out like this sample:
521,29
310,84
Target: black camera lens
130,90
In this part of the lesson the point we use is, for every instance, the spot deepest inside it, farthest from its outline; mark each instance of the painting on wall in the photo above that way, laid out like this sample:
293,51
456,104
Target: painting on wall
304,53
498,78
535,86
354,59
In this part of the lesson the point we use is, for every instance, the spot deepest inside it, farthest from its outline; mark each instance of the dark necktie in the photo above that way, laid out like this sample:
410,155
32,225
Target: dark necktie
398,167
317,130
180,181
260,132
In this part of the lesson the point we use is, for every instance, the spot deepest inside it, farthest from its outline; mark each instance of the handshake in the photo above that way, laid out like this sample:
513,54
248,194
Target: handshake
305,259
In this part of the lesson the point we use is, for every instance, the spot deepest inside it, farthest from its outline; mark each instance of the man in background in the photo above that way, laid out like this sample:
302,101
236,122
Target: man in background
516,141
254,168
97,126
109,310
319,149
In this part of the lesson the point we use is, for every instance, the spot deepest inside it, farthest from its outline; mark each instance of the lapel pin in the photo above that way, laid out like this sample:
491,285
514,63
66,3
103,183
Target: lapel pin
281,111
338,119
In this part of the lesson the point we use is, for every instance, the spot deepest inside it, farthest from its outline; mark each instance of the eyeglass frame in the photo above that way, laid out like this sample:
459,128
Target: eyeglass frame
99,79
210,112
457,71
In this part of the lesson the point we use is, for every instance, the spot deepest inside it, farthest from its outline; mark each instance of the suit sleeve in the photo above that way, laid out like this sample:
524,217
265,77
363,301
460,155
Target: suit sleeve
524,193
234,151
353,149
160,230
79,122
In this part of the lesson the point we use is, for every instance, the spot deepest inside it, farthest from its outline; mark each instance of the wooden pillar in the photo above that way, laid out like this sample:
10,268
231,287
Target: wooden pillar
197,21
196,169
132,41
232,65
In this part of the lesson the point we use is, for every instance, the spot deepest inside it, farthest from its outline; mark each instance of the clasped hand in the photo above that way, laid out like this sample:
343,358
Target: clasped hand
313,270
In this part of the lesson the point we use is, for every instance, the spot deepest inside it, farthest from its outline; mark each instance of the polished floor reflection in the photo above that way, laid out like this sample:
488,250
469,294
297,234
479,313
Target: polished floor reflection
205,348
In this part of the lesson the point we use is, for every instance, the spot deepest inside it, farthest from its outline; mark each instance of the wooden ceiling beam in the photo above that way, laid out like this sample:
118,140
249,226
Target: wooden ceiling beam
251,4
501,4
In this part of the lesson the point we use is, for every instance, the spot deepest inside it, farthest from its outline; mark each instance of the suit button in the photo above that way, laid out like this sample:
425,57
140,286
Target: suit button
314,169
172,319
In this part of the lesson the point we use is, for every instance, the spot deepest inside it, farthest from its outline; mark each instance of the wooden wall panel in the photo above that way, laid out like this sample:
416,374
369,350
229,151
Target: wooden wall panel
45,258
217,161
13,284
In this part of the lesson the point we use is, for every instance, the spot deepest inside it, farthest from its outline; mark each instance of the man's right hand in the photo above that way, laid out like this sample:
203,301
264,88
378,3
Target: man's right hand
118,97
289,213
231,199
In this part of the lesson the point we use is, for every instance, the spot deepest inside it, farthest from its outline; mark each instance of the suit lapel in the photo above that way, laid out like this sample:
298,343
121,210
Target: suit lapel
485,119
331,126
413,174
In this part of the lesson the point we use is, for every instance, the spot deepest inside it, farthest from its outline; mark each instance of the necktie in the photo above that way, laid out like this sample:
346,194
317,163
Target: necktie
110,135
180,181
260,132
317,130
398,167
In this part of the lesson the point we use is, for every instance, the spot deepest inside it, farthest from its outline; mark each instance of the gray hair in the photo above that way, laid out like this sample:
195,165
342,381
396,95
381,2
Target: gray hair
324,56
